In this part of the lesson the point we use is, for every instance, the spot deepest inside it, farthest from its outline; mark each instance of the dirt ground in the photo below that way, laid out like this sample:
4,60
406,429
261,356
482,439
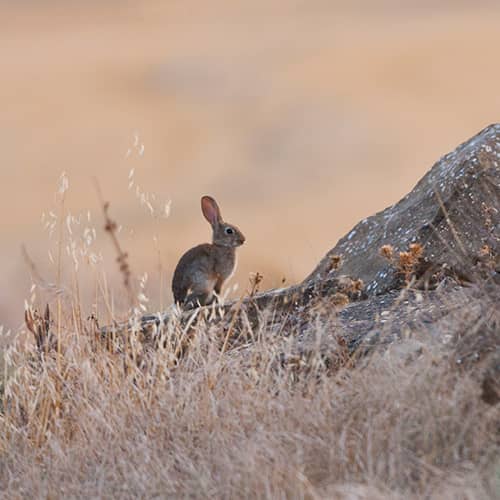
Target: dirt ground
301,118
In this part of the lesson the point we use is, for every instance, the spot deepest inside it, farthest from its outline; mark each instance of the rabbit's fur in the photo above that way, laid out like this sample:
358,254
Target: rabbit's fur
203,269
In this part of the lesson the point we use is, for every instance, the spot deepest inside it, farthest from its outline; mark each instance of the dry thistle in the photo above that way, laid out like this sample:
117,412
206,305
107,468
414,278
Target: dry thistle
255,280
111,228
416,250
39,326
340,299
488,259
350,287
485,251
335,262
387,251
407,262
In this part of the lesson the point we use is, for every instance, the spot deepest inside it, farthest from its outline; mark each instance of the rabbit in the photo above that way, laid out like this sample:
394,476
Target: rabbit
203,269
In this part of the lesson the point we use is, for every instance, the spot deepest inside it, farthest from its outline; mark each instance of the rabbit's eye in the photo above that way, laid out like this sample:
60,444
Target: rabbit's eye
229,230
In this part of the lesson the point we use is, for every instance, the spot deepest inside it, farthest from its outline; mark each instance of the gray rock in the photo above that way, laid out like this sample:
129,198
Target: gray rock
454,211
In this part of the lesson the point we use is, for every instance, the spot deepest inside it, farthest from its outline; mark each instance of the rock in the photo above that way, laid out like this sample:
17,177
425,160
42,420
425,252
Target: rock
454,212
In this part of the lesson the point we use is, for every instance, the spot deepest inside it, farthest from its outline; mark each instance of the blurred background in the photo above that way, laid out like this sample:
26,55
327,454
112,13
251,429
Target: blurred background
299,117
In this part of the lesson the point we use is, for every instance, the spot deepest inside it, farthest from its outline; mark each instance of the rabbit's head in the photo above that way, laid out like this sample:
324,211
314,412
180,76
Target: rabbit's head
224,234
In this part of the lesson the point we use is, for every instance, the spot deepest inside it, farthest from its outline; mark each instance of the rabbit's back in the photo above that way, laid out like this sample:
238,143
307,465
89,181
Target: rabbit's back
192,271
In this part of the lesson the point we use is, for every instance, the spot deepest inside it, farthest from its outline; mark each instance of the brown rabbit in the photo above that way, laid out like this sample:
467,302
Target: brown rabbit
203,269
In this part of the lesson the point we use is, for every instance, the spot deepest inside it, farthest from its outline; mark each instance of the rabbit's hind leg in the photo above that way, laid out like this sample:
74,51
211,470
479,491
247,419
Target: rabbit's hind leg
198,298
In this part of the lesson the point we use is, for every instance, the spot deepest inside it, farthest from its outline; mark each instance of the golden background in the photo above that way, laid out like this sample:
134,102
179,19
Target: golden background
300,118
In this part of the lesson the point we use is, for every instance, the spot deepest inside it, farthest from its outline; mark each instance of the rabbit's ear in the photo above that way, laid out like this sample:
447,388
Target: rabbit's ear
210,210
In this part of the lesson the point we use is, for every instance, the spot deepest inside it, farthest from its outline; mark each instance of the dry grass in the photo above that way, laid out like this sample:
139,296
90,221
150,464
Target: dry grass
90,422
203,416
